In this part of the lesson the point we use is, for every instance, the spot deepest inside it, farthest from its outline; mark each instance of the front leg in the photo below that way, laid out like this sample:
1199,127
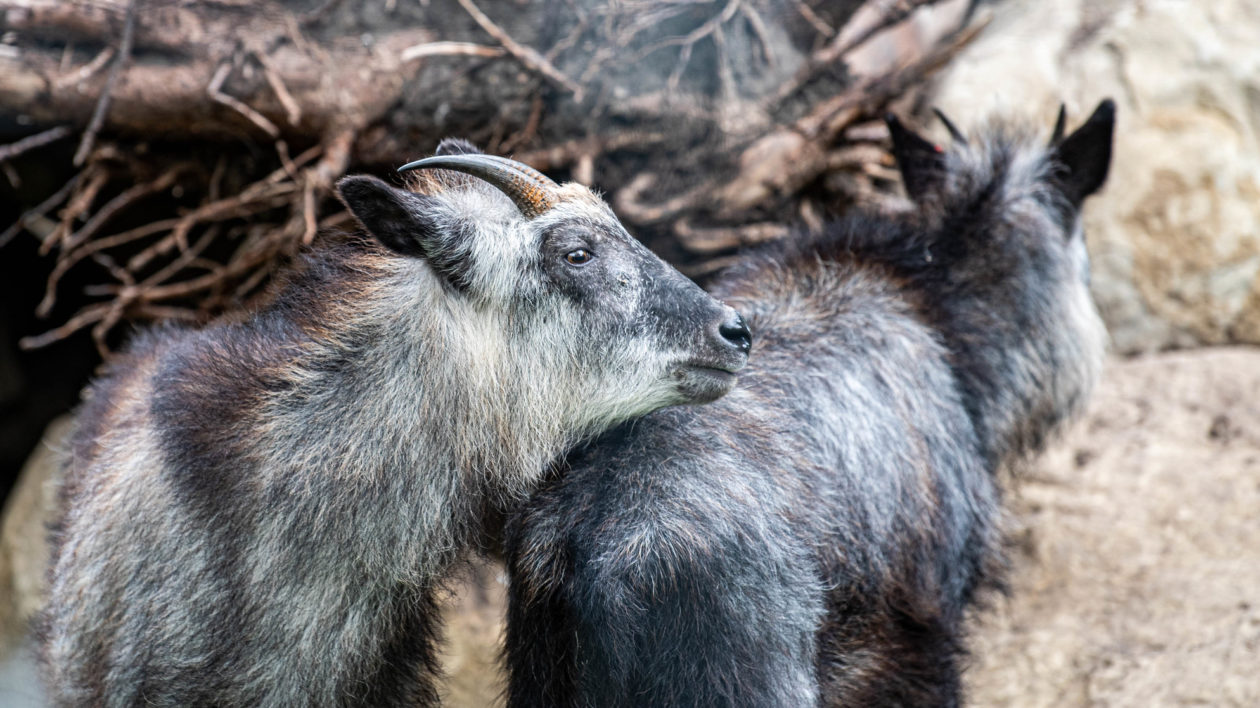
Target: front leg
407,666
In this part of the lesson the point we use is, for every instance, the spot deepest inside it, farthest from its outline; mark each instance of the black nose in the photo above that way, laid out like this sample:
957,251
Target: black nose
736,332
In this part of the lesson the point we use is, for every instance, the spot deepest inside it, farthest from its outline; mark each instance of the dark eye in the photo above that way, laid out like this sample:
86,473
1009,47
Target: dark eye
579,257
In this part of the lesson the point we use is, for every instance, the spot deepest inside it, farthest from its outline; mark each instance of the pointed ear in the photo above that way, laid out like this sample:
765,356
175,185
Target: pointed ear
954,132
1085,155
921,162
401,220
456,146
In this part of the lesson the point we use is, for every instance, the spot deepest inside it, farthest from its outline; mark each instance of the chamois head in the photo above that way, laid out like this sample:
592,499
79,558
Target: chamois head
1004,192
1074,167
1005,252
542,281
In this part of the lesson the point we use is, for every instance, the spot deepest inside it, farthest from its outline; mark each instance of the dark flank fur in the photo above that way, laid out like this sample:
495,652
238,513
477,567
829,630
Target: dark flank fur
817,536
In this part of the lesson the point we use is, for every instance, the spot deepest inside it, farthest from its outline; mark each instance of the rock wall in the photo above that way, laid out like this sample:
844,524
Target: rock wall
1175,237
23,535
23,559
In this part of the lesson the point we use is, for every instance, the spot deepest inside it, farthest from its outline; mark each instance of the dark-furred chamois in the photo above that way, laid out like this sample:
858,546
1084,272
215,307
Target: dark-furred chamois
817,536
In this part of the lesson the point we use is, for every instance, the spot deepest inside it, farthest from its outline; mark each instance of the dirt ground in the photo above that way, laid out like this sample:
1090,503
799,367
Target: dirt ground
1135,577
1135,557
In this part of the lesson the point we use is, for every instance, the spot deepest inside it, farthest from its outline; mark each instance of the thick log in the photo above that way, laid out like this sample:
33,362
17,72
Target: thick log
251,48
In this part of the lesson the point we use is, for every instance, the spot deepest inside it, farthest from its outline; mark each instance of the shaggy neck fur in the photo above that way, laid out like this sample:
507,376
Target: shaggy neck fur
426,372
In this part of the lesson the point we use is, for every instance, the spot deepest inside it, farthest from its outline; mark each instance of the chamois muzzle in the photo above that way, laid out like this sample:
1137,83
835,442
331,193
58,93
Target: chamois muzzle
531,191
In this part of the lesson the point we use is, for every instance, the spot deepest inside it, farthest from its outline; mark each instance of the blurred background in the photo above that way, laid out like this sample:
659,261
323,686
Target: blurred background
160,159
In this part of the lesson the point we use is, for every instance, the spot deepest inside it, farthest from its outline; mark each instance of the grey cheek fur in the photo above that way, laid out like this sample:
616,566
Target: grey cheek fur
817,536
259,513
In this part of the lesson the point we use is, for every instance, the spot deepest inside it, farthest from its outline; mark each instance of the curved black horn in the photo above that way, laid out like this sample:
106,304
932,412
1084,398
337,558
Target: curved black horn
954,132
1059,124
530,190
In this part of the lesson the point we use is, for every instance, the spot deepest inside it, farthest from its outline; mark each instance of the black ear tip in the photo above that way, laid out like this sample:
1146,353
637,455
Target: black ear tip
1060,124
906,141
897,130
1105,112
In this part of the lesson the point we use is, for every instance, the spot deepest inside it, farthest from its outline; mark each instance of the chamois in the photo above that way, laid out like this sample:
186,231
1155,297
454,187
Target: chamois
259,512
817,536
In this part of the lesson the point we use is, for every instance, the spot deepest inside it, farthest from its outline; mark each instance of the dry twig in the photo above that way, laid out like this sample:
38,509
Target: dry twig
630,204
291,108
102,104
723,238
84,318
819,24
72,251
567,153
216,93
94,179
444,49
39,210
40,139
122,201
891,13
87,71
528,57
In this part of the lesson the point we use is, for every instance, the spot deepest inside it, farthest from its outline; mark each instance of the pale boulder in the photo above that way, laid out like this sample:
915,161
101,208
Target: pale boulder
1175,235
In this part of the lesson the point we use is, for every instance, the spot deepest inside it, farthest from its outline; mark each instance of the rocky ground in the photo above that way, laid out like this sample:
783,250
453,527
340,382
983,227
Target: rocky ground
1135,556
1137,548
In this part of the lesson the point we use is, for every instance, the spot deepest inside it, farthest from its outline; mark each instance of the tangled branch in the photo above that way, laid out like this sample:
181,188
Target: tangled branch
712,124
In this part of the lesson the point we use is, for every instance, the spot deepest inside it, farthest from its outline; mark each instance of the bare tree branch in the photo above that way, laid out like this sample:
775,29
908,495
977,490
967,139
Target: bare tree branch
528,57
102,104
